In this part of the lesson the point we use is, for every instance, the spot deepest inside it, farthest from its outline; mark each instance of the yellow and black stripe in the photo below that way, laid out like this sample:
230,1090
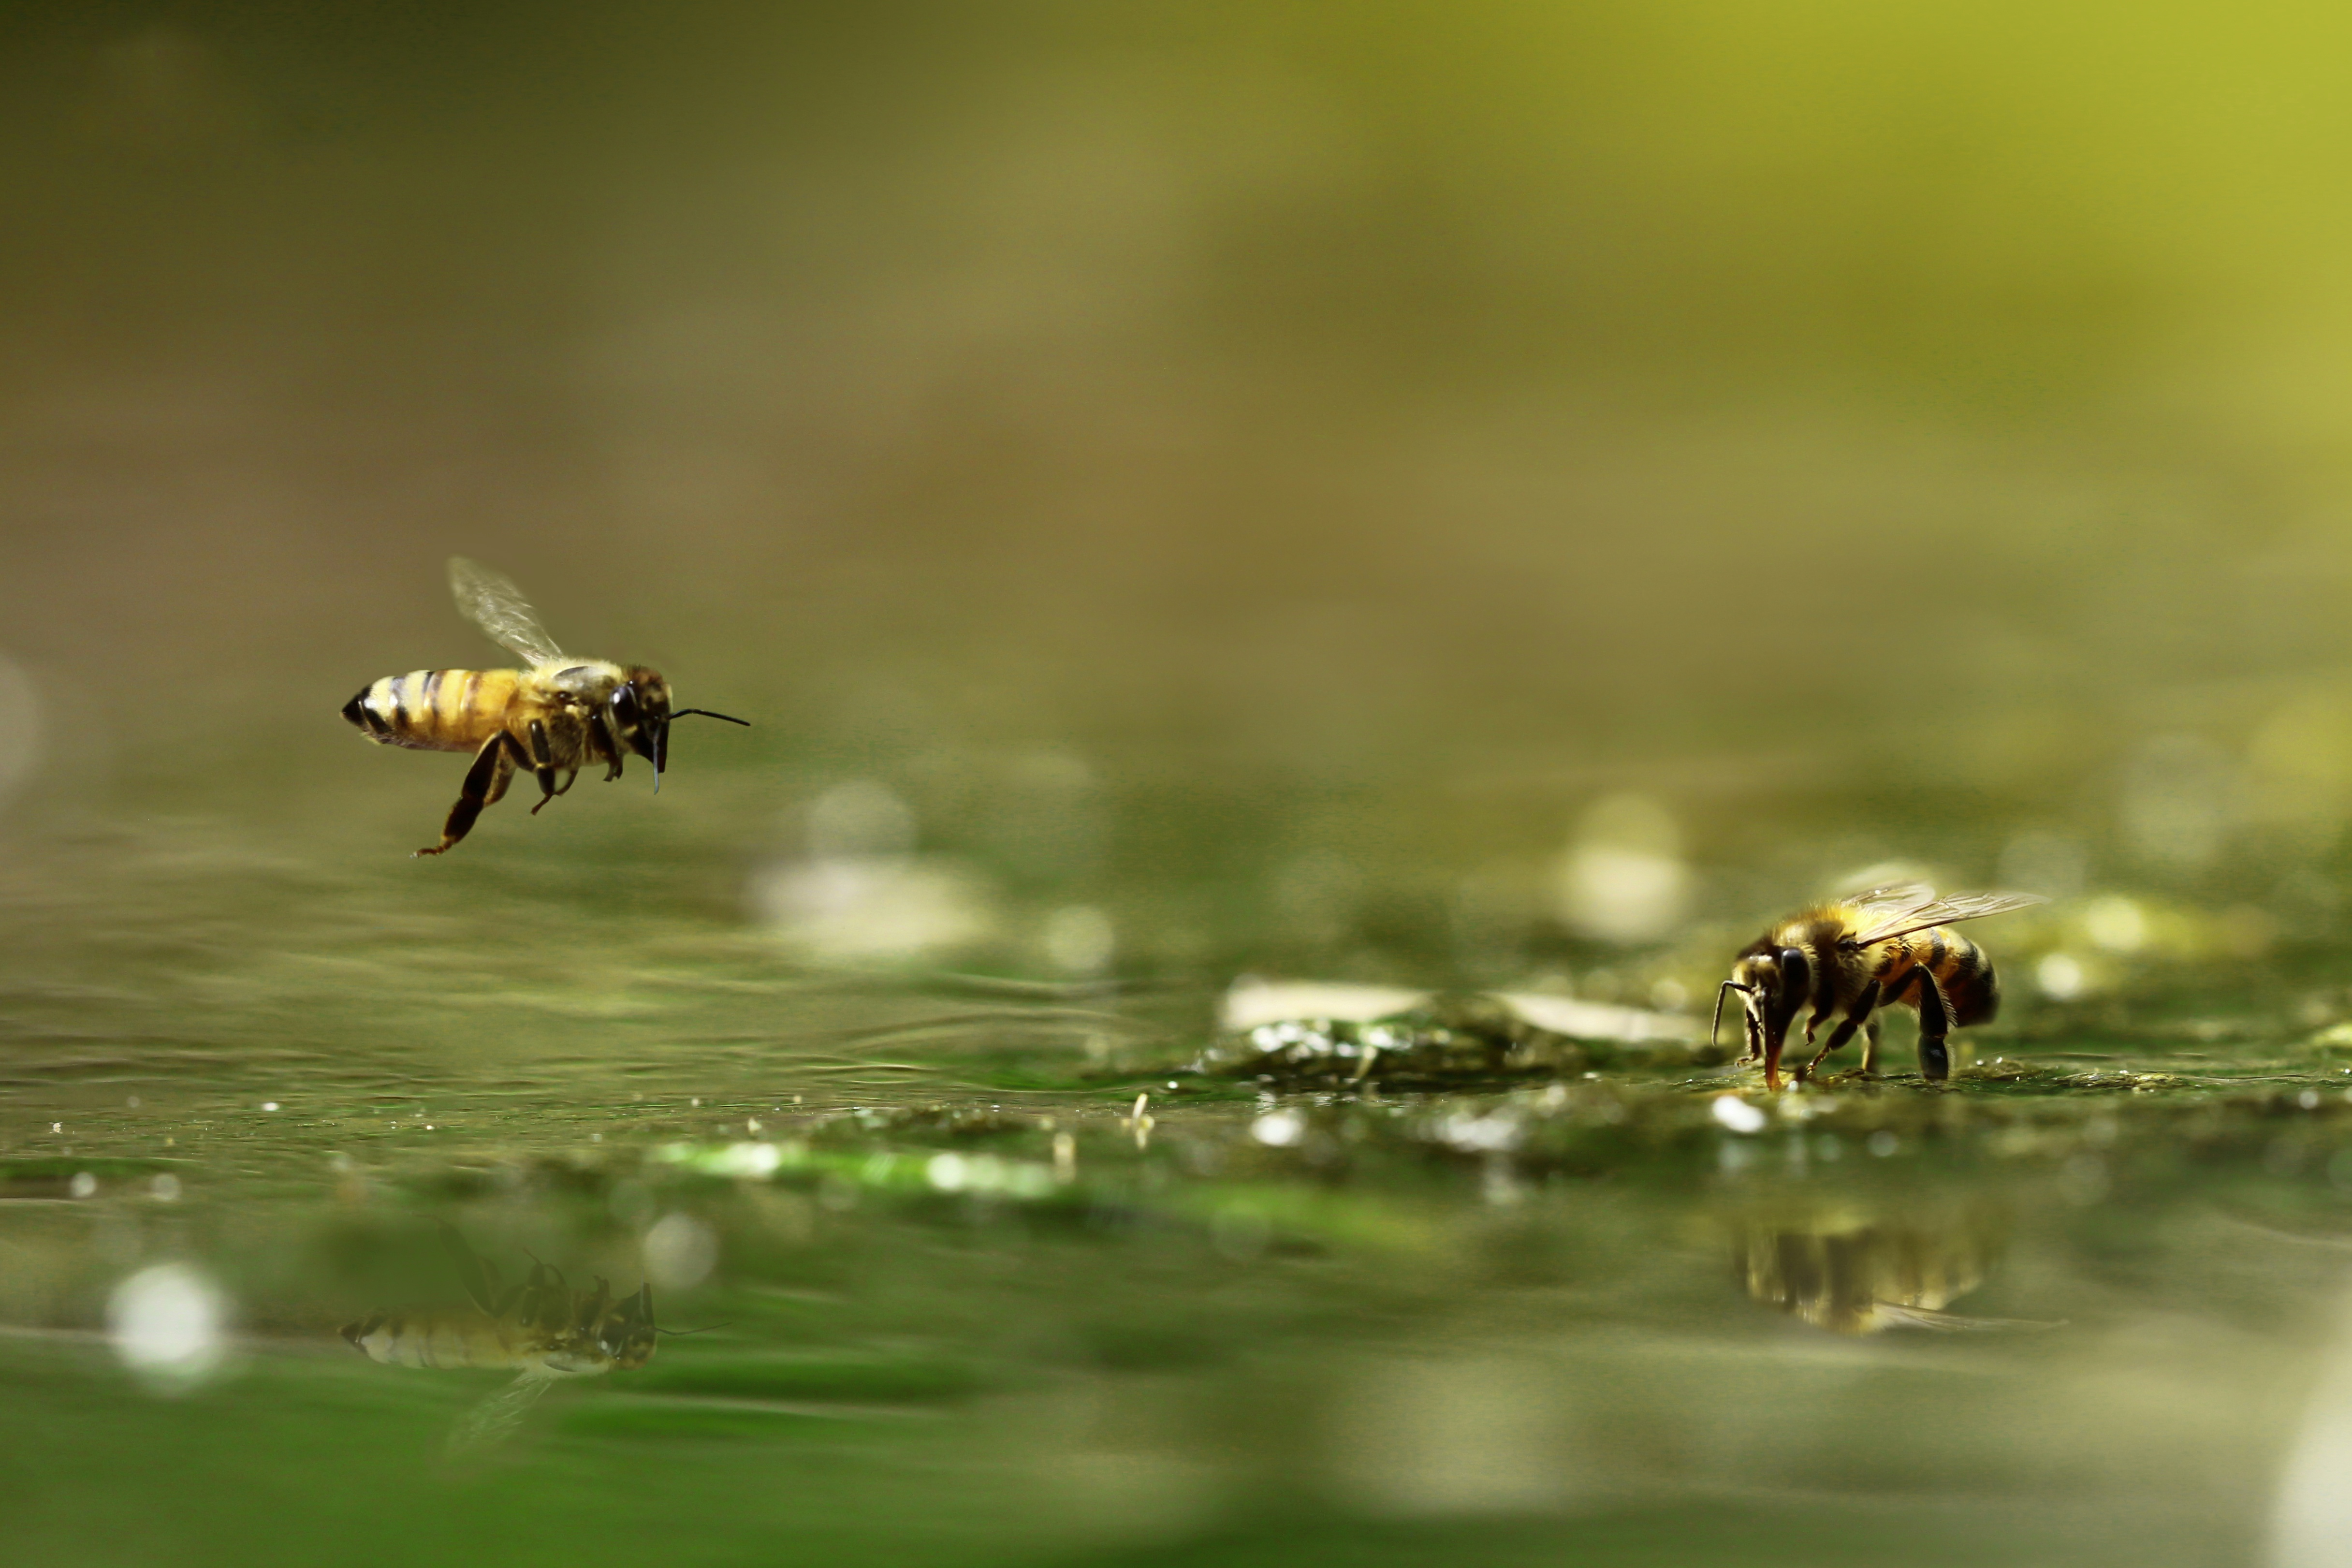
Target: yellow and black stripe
434,709
430,1339
1962,971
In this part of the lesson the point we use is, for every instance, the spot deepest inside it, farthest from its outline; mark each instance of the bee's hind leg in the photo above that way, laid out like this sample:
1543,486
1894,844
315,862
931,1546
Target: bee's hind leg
1870,1049
542,766
1935,1023
1855,1017
486,781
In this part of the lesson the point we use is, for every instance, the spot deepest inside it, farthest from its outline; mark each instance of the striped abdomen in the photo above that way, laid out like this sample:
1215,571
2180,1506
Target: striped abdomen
434,709
1962,972
444,1340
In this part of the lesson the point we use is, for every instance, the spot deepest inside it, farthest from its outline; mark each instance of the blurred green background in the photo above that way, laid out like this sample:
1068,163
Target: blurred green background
1731,400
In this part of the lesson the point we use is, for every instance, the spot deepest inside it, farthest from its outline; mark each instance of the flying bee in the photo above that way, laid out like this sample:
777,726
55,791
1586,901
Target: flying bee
558,716
541,1330
1885,948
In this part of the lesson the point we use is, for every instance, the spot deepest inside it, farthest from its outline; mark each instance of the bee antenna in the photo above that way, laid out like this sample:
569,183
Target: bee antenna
1720,992
686,712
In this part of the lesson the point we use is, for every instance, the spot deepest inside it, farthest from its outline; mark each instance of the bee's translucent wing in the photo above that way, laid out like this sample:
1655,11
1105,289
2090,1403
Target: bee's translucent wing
1894,1315
494,1420
479,1277
1893,896
1944,913
497,606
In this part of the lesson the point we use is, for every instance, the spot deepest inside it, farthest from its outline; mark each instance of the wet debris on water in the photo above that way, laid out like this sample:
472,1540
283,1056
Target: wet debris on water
1440,1040
2120,1079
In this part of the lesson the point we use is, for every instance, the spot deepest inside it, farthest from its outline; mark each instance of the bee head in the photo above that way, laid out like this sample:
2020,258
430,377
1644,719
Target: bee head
1775,982
628,1335
640,708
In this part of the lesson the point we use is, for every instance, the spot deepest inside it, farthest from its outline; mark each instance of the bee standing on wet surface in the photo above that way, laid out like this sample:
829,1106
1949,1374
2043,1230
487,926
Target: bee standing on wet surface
1885,948
541,1330
558,716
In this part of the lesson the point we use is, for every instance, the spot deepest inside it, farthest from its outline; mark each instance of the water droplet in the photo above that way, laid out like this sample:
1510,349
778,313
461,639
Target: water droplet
1736,1114
1278,1130
166,1324
680,1251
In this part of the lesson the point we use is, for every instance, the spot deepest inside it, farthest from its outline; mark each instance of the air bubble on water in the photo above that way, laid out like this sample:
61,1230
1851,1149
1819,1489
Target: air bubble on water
1624,879
1737,1115
680,1251
2059,976
1278,1130
2116,923
755,1160
83,1184
167,1323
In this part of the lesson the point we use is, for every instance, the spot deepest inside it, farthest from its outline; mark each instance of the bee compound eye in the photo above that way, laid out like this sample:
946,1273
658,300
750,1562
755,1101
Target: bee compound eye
625,705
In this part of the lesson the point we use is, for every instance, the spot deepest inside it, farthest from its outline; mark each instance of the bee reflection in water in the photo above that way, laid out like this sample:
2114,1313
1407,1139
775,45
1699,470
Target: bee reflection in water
1853,1275
541,1330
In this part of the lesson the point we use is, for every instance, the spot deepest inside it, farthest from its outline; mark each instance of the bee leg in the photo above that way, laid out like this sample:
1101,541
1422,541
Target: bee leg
1855,1017
542,765
610,736
1870,1049
1935,1023
484,782
505,774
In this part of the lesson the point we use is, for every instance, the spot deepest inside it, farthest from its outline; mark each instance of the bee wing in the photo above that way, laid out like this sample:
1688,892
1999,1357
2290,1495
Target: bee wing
497,606
1894,1315
495,1419
1884,901
480,1279
1944,913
